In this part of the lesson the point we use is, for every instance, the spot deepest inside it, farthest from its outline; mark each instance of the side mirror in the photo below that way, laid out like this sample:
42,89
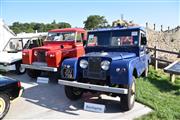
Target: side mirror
143,41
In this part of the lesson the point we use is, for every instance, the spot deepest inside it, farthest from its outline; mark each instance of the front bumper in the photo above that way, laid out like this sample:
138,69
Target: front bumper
7,68
94,87
38,67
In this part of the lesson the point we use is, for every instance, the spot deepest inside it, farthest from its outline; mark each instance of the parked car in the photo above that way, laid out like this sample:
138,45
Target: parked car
60,44
11,56
117,57
9,90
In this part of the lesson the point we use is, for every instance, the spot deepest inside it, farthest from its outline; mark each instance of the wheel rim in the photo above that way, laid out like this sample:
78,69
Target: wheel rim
21,69
133,90
2,105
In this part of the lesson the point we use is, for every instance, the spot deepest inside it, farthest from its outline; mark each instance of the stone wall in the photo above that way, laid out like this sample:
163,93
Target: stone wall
166,40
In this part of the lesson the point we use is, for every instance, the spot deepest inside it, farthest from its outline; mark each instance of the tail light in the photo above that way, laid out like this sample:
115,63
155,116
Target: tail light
19,84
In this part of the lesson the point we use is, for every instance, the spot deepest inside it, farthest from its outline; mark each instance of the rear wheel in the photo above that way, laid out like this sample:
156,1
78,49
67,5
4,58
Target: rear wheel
127,101
73,93
33,73
20,69
4,105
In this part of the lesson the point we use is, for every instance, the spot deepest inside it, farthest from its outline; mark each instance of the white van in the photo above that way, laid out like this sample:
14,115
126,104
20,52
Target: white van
11,56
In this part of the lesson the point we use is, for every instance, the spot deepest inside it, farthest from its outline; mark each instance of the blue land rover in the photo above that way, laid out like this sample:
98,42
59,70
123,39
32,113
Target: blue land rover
114,58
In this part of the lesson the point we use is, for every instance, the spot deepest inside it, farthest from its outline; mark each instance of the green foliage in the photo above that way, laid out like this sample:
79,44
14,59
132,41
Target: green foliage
40,27
157,92
95,21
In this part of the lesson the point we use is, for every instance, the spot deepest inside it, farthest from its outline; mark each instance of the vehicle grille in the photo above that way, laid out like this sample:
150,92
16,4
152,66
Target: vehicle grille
94,64
67,73
41,57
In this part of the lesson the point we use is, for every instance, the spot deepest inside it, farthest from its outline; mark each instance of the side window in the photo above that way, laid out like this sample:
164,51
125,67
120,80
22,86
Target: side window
79,37
16,44
142,35
92,40
143,39
122,41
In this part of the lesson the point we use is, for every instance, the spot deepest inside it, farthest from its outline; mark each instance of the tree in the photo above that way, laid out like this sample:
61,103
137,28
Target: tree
95,21
54,22
64,25
16,27
40,27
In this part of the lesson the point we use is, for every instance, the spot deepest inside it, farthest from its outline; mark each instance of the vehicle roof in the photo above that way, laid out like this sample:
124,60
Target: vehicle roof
38,36
68,30
119,28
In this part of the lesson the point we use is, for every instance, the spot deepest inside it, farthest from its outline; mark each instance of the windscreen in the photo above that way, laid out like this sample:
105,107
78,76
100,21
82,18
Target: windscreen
113,38
61,36
14,45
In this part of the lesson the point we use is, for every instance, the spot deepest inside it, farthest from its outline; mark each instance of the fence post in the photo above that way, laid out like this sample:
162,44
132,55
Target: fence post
161,28
146,24
172,77
155,56
168,28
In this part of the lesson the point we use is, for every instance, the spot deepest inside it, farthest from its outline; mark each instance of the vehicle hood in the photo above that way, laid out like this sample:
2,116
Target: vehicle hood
56,46
47,48
6,57
112,55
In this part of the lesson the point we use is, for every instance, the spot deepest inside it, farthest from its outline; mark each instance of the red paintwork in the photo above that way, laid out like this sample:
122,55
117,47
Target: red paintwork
59,49
27,57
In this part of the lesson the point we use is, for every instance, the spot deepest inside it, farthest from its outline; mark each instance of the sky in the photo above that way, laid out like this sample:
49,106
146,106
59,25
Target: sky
160,12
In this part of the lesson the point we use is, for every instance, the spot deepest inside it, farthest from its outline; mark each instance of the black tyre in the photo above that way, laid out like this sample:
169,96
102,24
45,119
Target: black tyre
54,76
19,69
33,73
4,105
73,93
145,73
127,101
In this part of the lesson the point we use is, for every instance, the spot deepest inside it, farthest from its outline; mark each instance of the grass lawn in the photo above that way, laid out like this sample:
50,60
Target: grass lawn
157,92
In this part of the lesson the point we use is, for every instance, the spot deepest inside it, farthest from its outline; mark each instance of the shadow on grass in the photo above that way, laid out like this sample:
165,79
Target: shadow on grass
162,83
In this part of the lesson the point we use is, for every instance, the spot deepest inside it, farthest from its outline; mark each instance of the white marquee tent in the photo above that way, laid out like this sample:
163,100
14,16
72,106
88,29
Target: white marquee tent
5,34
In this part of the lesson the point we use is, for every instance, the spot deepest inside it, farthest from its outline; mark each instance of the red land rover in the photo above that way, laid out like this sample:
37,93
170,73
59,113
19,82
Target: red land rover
59,45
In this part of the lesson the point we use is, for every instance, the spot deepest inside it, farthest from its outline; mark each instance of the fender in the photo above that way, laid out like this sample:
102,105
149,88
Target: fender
69,68
121,71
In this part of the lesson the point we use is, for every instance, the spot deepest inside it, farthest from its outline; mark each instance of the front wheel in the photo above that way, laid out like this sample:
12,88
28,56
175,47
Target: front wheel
127,101
4,105
73,93
33,73
19,69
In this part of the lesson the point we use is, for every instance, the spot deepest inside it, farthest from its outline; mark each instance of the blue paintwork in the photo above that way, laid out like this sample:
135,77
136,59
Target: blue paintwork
112,55
73,65
126,58
129,49
119,28
6,80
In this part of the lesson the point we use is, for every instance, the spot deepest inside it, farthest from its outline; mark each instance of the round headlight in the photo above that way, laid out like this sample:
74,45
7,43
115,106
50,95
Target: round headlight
83,64
52,55
105,65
